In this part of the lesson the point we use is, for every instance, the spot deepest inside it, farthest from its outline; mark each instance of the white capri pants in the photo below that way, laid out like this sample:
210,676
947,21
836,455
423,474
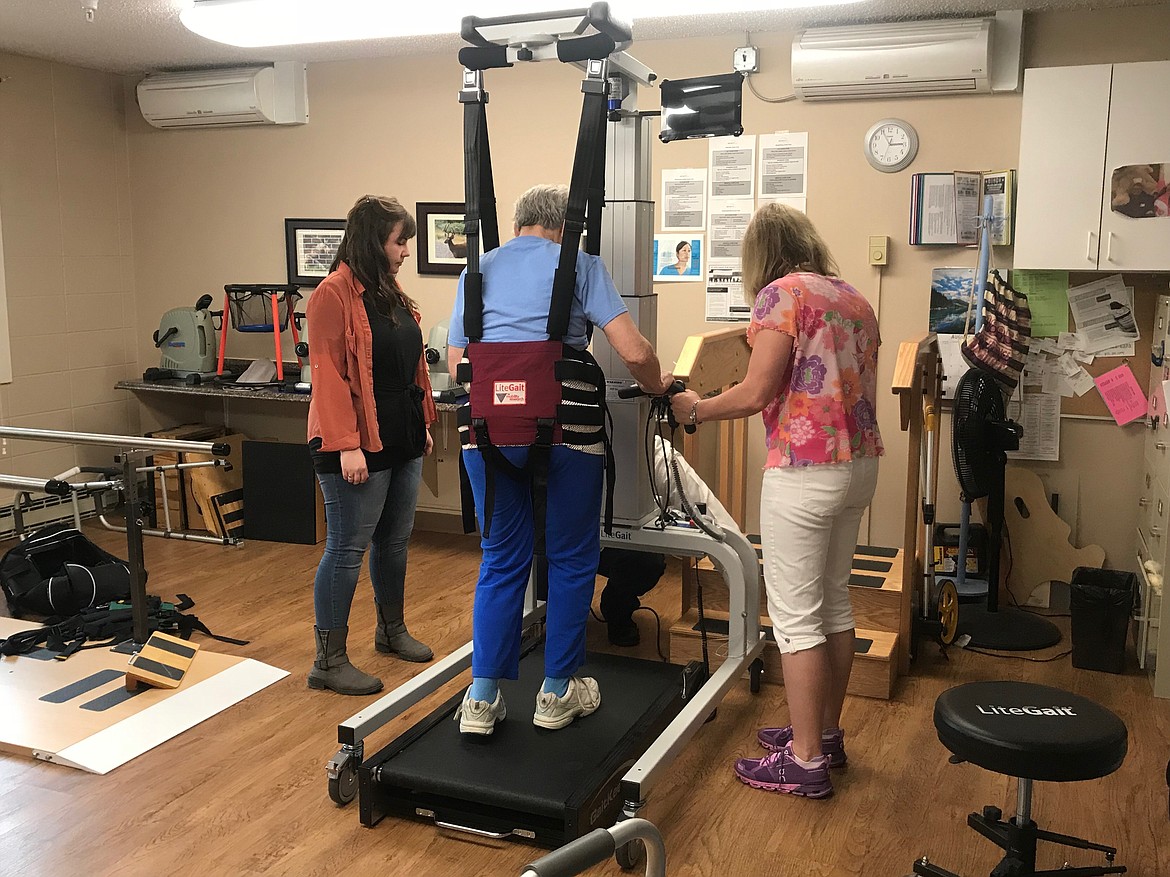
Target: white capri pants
809,518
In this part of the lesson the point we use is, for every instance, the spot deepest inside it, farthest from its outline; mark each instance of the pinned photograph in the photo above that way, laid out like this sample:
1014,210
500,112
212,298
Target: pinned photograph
678,258
1140,191
951,292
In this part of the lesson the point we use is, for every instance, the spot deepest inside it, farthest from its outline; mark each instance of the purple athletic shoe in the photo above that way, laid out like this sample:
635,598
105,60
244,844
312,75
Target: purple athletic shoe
832,743
779,772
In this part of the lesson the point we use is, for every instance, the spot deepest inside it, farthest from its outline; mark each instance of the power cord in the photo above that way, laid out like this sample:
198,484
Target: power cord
751,86
1063,654
657,627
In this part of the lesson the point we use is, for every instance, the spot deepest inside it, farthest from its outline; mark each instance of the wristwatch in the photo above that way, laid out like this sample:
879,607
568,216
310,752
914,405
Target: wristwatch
694,417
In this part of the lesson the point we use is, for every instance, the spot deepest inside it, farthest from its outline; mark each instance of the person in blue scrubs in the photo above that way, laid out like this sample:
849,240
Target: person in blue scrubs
517,292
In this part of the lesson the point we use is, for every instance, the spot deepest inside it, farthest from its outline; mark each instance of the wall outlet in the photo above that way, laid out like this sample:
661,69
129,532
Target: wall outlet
879,245
747,60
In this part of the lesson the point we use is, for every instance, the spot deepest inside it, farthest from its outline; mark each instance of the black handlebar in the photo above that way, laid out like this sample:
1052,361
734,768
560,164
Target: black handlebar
633,391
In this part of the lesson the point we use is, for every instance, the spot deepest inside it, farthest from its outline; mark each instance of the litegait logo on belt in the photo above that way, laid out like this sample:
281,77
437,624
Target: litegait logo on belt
510,392
1025,710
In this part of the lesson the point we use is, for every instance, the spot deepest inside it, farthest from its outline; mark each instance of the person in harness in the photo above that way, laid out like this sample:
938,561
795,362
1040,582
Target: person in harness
536,448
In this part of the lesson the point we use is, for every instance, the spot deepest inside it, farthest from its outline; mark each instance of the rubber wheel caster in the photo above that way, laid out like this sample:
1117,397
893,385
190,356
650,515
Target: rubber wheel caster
343,788
755,673
948,611
630,856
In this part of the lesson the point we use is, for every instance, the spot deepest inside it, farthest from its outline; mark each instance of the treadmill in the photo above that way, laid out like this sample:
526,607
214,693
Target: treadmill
524,782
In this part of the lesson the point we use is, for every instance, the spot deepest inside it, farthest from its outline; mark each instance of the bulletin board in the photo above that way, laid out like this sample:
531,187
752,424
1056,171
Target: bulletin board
1146,289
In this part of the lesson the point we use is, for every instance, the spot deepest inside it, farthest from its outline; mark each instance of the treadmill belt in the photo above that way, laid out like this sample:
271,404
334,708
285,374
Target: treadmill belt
527,768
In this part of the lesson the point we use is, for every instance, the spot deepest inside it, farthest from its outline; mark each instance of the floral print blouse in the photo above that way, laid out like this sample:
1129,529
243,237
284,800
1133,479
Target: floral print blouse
825,411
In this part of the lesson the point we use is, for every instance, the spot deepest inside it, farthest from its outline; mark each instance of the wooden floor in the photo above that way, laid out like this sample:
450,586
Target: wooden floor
245,792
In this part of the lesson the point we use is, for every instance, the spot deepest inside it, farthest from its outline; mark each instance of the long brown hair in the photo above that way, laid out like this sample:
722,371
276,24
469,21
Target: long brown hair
779,241
363,248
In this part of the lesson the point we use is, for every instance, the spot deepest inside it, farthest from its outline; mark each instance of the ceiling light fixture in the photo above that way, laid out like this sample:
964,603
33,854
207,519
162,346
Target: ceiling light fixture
259,23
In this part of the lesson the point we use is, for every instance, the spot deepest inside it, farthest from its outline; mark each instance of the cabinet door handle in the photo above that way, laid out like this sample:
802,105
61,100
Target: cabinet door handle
1109,247
1156,532
1161,446
1090,250
1143,502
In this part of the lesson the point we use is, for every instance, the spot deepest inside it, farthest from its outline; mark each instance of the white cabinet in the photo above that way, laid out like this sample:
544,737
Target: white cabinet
1078,125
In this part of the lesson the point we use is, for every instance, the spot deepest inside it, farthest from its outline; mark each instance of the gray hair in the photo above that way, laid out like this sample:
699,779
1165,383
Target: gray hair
542,205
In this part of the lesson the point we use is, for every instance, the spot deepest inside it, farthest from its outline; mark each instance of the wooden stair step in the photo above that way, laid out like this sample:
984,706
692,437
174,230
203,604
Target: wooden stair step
874,666
875,586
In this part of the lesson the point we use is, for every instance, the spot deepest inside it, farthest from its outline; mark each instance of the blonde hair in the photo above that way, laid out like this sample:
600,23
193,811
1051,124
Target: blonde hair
780,240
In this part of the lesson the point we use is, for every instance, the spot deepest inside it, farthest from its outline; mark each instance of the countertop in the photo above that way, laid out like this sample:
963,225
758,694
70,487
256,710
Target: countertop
219,391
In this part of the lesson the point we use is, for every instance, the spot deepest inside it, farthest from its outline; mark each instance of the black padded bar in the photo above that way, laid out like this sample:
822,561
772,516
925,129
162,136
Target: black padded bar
596,16
53,487
484,57
573,858
593,48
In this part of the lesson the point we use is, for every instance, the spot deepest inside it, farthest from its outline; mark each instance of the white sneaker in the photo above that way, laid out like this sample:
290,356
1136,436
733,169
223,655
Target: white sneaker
479,716
582,698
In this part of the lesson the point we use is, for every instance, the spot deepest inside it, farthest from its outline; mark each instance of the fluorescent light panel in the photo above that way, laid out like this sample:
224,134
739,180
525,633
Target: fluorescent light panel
257,23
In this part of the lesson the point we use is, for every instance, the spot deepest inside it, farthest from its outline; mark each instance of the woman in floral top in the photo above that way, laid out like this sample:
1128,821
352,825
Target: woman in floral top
813,375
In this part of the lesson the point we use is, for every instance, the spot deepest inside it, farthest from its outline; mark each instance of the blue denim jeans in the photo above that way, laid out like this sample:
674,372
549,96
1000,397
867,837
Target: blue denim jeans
573,545
379,513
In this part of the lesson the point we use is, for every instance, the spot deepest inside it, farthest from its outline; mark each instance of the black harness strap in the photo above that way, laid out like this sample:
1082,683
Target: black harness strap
590,152
480,196
494,459
538,460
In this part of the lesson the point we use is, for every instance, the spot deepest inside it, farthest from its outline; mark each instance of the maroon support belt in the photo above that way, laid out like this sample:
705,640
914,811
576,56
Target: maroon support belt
514,386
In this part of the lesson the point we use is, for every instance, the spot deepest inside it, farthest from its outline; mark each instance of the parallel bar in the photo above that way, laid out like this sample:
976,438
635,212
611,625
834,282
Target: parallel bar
20,482
126,442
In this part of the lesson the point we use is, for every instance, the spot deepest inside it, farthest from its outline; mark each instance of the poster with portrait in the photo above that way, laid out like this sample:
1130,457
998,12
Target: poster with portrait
678,258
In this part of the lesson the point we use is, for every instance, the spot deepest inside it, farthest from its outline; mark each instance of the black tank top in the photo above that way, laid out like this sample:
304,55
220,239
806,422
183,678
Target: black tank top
397,399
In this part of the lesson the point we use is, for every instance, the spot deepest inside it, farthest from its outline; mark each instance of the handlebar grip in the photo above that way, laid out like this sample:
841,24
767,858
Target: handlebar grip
221,449
573,858
631,392
53,487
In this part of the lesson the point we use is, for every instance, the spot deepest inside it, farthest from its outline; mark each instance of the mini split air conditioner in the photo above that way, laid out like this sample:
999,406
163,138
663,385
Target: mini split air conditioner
895,59
275,94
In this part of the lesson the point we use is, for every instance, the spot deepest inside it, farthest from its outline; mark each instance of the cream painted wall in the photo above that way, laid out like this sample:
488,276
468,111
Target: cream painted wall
65,200
208,206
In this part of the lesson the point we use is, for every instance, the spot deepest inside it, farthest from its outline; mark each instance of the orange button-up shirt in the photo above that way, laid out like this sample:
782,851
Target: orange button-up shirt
341,409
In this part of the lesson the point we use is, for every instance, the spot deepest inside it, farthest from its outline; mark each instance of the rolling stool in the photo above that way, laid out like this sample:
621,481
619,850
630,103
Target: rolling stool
1031,732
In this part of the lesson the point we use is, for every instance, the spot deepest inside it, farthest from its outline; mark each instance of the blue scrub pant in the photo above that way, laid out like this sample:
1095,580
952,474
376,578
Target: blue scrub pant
573,544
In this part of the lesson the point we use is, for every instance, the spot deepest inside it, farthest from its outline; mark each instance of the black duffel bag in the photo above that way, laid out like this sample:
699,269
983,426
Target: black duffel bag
58,571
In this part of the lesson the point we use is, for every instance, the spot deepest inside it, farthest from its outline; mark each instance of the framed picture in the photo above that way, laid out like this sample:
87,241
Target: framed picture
310,246
442,246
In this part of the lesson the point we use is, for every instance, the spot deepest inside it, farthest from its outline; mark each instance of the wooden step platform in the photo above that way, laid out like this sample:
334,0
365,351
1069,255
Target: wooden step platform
875,667
875,586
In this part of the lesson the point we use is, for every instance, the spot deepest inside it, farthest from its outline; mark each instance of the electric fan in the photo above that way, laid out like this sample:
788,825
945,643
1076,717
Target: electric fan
981,437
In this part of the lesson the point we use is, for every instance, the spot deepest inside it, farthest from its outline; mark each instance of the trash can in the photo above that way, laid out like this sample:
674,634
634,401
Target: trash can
1101,601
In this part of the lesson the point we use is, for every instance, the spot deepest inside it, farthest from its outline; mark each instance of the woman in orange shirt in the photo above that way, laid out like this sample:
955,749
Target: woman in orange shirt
369,420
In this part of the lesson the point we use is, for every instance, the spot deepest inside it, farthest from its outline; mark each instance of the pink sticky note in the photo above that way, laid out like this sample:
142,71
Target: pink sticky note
1122,394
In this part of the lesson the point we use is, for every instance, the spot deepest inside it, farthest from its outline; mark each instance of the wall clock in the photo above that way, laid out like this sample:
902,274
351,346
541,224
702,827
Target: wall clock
890,145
